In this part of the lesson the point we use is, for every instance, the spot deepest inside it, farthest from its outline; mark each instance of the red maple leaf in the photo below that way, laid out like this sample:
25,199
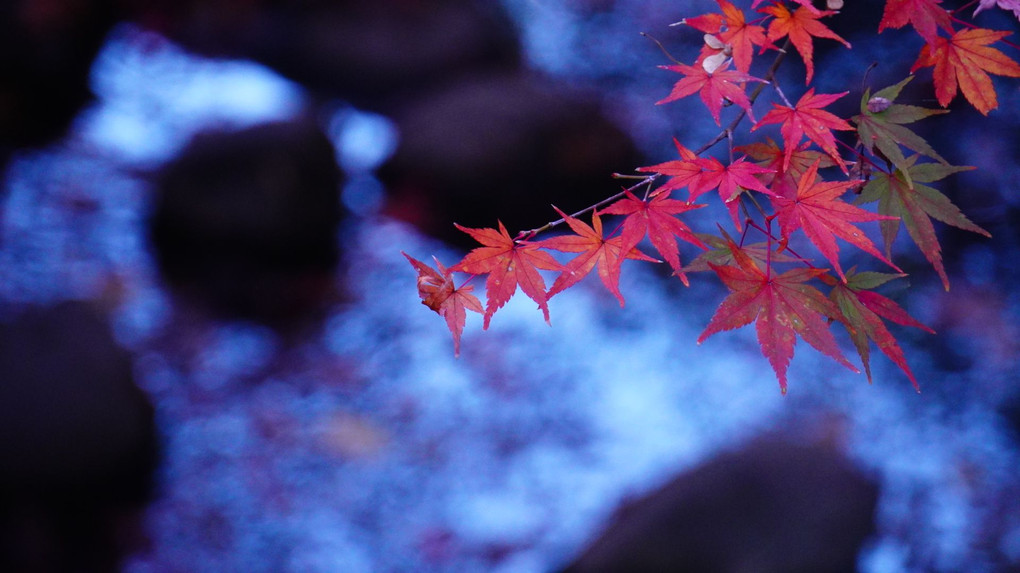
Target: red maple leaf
438,292
800,25
740,35
656,218
863,311
808,118
731,180
925,15
594,249
965,60
508,263
781,306
816,208
682,172
713,87
772,157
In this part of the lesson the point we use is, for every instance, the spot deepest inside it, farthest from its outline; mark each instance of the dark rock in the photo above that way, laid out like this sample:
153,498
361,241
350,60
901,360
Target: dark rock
46,52
245,222
501,145
773,506
363,52
77,442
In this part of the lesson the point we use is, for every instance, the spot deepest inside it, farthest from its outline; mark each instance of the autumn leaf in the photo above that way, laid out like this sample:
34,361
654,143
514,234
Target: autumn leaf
681,172
915,205
772,157
800,25
594,249
508,263
740,35
863,311
731,180
816,208
657,219
781,306
880,125
965,60
731,29
808,118
719,253
713,87
438,292
925,15
805,3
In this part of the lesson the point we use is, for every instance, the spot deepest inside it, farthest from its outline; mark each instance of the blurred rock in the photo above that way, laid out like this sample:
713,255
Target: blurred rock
773,506
77,442
245,222
363,52
46,51
501,145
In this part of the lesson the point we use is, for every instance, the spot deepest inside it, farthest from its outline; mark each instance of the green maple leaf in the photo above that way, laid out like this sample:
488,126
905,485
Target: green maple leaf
863,311
916,205
880,125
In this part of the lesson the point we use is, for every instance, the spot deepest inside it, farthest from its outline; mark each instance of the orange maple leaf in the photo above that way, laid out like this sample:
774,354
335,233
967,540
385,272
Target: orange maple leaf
438,292
925,15
965,60
808,118
800,25
781,306
594,249
816,208
713,87
657,219
740,35
508,263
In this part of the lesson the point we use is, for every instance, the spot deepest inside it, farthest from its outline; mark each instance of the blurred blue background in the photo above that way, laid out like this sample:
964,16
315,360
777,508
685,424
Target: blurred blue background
307,414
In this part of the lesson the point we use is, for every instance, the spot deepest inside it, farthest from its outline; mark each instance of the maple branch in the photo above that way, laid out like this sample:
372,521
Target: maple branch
782,96
726,132
752,97
525,235
661,47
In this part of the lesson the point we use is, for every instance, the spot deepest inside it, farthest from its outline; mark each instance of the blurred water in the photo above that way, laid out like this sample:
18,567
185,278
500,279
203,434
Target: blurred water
368,447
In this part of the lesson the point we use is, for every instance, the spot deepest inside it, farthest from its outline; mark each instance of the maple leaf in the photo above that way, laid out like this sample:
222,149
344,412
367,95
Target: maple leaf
800,25
731,180
438,292
805,3
735,37
720,254
508,263
863,311
880,125
781,306
816,208
656,219
594,249
965,60
915,205
713,87
681,172
772,157
740,35
808,118
925,15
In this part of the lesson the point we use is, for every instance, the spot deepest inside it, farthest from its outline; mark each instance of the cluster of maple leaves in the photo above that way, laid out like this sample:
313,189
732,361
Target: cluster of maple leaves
772,190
